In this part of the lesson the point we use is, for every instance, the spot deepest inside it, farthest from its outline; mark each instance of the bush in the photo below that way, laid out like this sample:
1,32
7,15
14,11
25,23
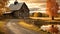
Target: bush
36,14
38,23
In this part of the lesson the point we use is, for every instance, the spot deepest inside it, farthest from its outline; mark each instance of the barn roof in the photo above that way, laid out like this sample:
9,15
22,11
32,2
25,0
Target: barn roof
15,7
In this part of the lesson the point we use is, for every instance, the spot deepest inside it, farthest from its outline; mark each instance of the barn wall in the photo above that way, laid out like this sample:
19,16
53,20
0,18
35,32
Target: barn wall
26,10
7,16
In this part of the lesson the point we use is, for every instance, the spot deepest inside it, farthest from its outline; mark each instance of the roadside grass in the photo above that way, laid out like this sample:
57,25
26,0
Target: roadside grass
36,28
1,27
2,23
29,26
3,30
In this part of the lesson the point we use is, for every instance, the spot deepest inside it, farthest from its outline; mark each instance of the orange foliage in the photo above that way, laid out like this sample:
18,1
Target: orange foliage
35,14
53,29
3,4
52,7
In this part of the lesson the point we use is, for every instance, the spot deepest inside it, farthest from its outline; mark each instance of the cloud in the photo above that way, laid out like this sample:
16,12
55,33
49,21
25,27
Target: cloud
33,1
36,1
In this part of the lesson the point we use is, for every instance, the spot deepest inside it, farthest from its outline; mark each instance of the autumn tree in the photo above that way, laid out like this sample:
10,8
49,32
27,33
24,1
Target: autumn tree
3,7
37,14
52,8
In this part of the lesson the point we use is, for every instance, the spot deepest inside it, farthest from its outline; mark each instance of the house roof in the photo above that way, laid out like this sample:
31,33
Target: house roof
16,6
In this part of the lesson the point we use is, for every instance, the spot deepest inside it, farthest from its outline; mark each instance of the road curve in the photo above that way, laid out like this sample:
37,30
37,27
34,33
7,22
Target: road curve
16,29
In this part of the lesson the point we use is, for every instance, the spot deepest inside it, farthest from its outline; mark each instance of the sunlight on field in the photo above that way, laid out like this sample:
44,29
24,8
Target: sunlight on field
3,30
1,23
29,26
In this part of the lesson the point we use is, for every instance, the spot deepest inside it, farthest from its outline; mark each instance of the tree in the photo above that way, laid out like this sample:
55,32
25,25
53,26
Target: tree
37,14
52,8
3,7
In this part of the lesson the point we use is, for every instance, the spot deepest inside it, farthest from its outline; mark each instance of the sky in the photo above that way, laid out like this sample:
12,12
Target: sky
34,4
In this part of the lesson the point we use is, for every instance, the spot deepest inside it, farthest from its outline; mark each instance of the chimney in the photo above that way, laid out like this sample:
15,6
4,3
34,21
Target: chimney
16,2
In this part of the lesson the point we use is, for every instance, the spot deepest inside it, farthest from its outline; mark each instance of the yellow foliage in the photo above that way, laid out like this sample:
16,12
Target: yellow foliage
35,14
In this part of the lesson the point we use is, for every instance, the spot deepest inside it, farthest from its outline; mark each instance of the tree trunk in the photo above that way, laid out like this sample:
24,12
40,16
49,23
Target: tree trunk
52,17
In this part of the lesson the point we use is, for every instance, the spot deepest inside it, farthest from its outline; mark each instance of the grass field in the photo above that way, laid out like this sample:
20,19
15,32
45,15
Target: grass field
32,27
28,26
3,30
39,21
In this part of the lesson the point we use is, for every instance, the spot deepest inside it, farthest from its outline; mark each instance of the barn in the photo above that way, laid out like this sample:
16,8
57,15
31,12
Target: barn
17,10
